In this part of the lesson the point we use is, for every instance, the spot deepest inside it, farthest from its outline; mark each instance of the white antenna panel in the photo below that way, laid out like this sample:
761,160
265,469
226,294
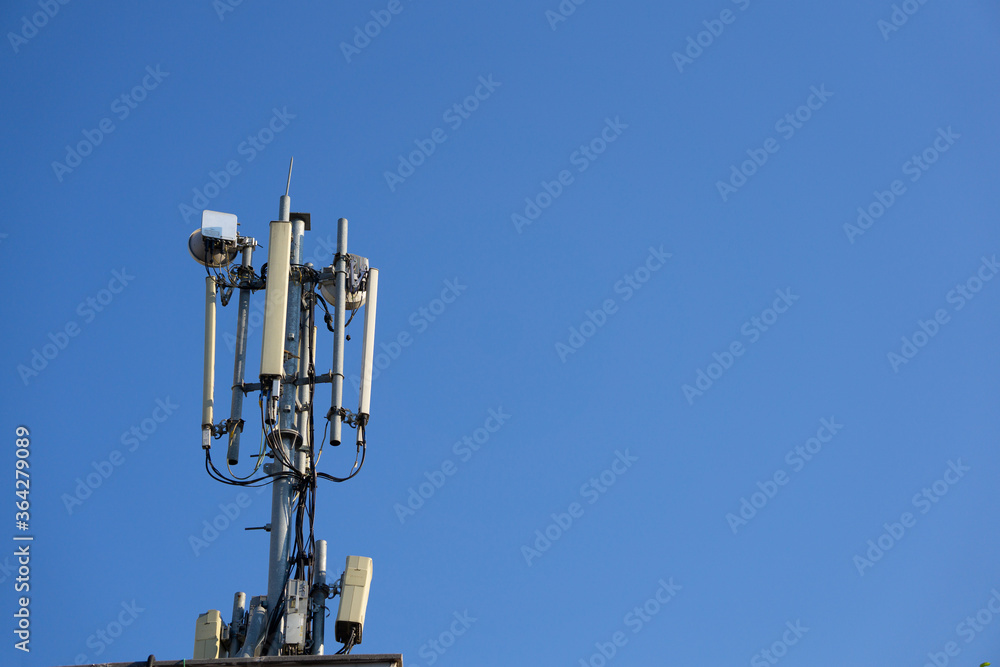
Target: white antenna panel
216,225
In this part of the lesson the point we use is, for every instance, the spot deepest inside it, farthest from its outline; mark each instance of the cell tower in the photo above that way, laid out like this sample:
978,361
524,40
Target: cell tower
290,619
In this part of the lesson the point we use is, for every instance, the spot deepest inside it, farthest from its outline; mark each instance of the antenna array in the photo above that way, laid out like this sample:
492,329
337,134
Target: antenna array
290,619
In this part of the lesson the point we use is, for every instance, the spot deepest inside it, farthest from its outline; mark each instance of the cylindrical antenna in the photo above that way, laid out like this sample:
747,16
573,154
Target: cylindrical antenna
239,611
339,281
208,384
319,592
368,350
307,353
235,424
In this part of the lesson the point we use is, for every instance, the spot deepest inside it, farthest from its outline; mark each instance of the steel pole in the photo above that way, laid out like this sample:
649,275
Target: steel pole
239,611
319,594
239,366
339,282
283,488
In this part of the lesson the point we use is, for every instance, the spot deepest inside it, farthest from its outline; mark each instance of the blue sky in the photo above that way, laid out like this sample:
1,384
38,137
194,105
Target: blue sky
722,320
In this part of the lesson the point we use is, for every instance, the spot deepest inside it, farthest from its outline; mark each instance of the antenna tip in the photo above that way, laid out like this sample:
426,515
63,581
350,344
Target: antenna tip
289,184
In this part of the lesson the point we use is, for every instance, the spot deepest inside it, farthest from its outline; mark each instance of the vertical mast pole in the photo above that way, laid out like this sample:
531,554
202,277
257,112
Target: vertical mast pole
283,487
239,366
319,593
340,280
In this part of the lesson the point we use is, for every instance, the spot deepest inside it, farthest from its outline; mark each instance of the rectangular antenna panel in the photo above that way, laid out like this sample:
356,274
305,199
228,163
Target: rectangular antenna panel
208,635
368,345
279,252
216,225
354,588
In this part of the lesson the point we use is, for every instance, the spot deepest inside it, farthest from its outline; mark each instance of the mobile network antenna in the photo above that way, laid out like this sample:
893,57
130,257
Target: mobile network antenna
290,619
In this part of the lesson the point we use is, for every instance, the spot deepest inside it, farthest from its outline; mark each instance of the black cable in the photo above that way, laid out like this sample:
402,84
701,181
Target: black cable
348,645
328,318
354,470
311,373
217,475
207,256
278,611
277,449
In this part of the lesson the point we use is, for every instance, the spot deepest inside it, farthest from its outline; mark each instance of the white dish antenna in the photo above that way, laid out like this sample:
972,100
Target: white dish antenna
214,244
